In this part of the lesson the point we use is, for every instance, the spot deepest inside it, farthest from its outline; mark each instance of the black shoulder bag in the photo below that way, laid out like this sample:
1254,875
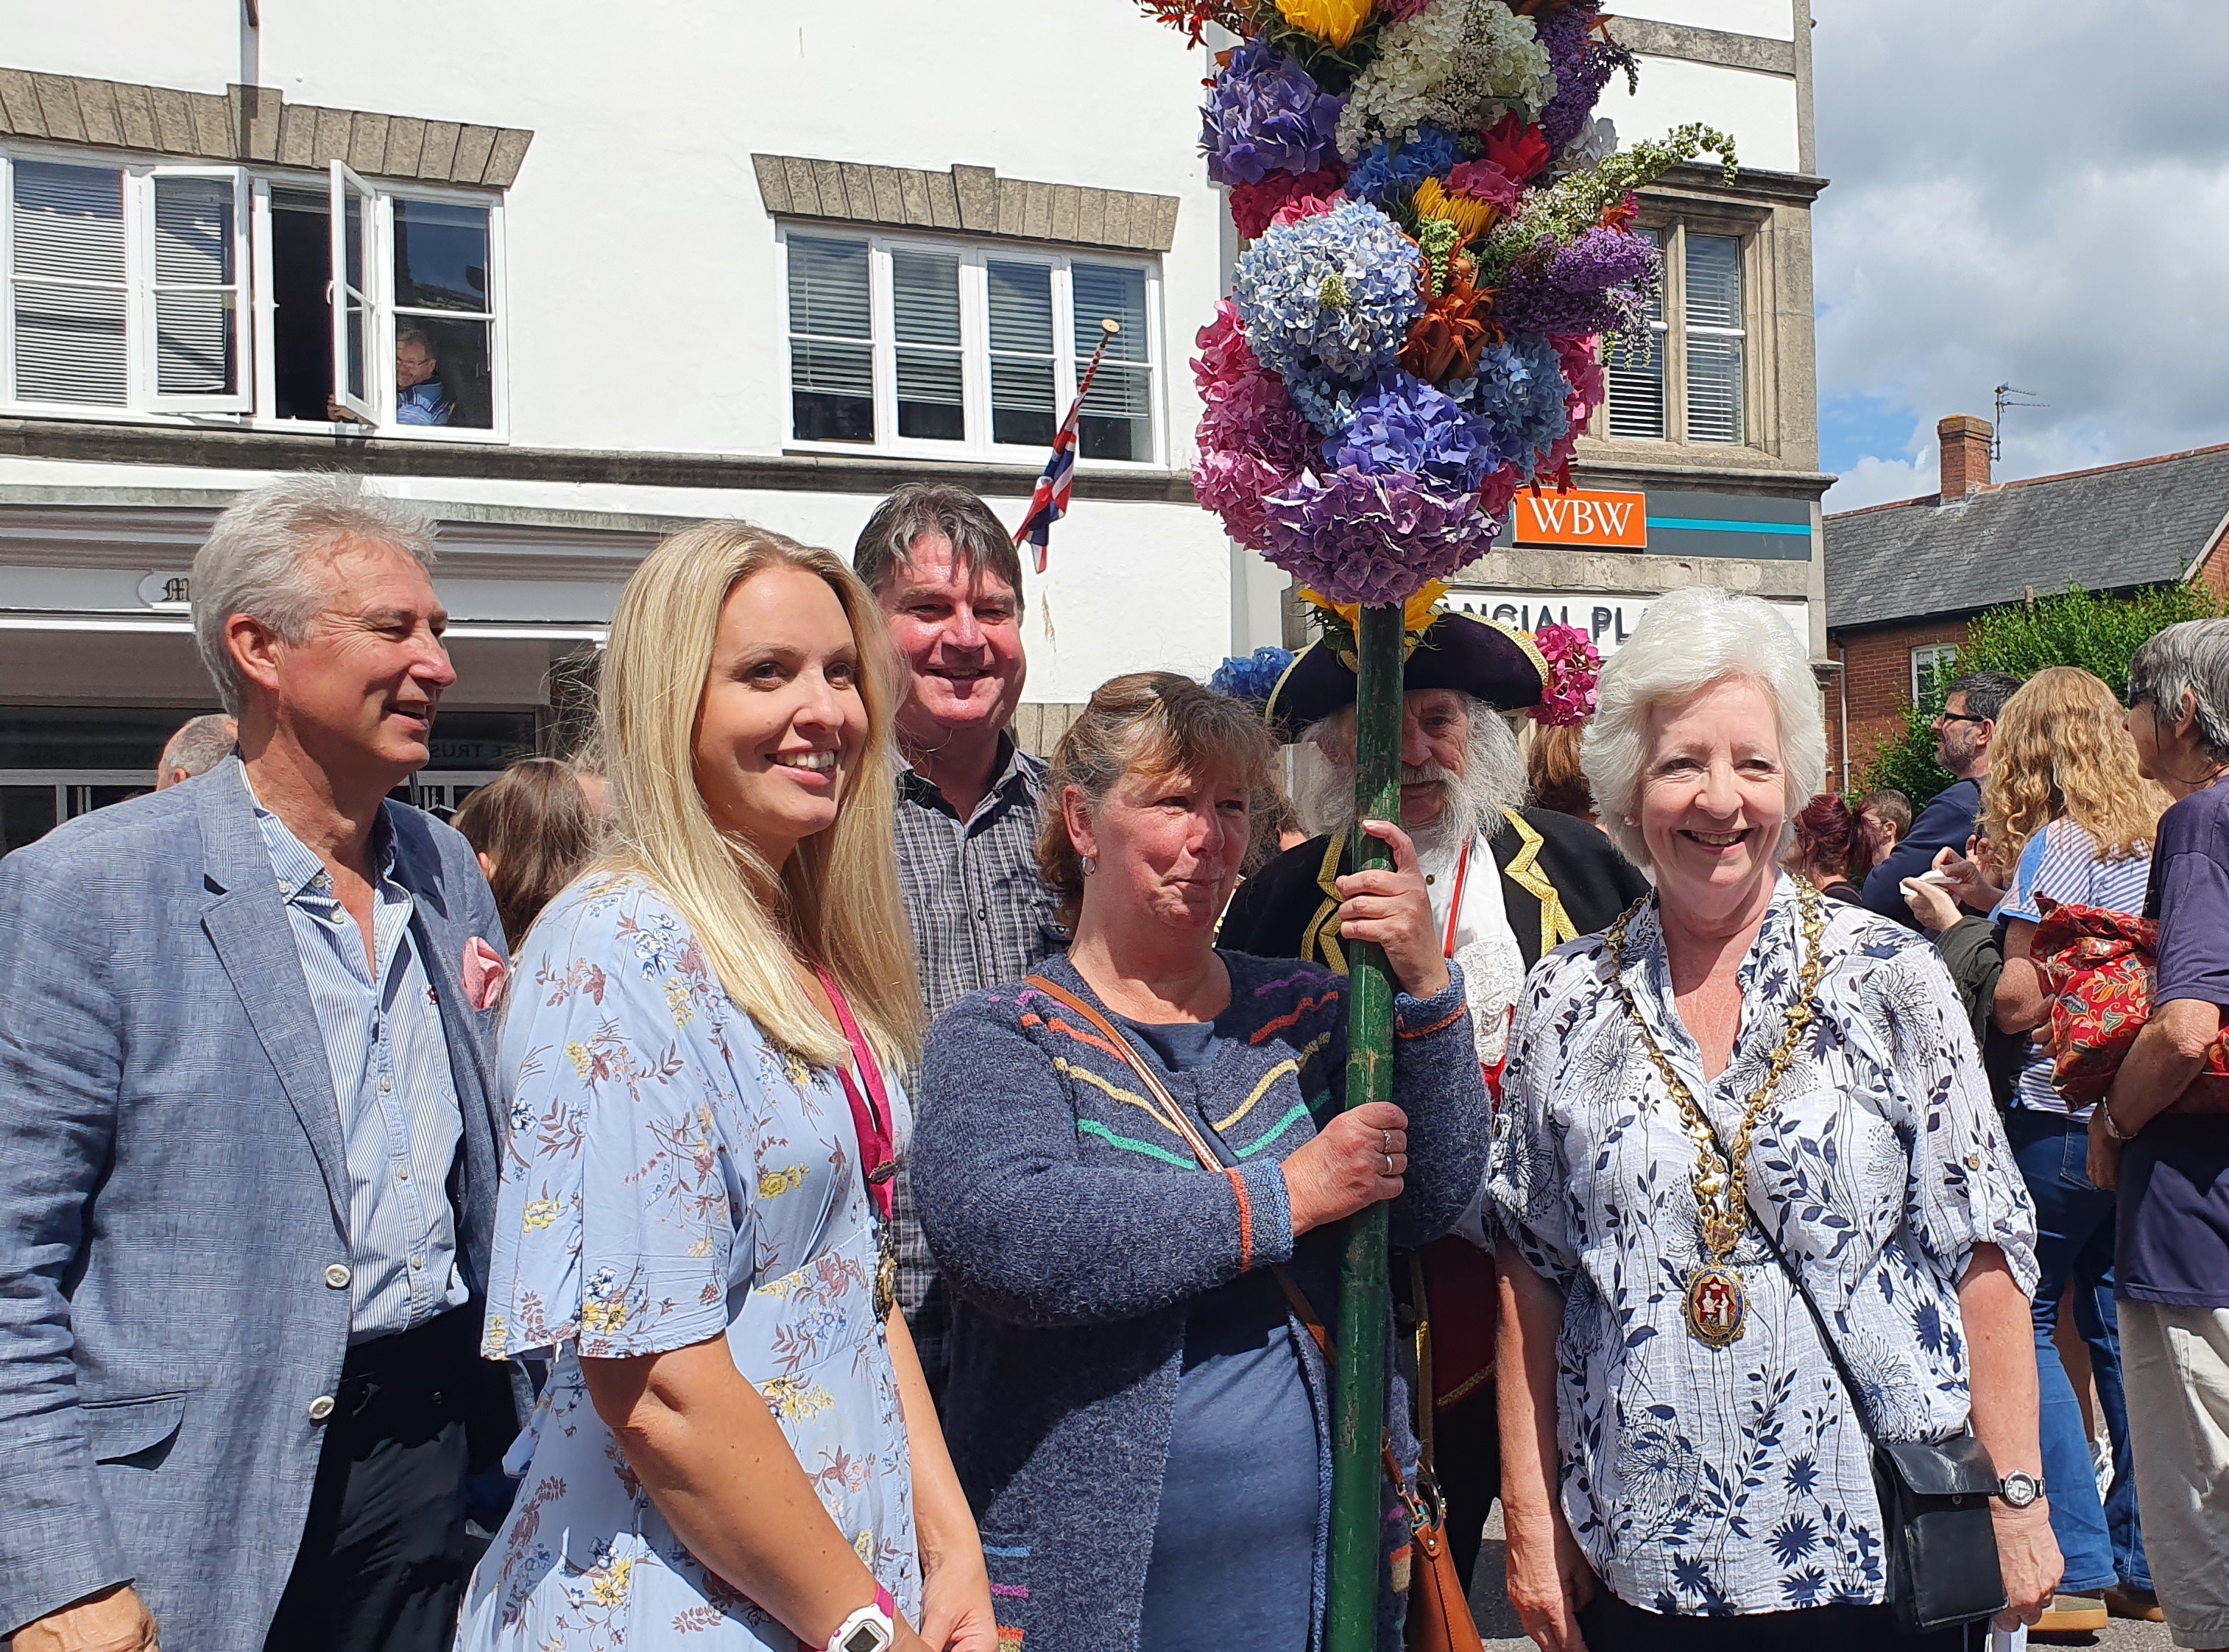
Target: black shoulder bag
1939,1541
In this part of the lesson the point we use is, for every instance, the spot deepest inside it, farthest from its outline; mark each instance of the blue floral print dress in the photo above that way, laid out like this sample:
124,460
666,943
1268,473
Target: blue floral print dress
669,1177
1736,1480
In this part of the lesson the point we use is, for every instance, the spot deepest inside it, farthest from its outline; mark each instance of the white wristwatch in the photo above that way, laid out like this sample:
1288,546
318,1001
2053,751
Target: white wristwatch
871,1629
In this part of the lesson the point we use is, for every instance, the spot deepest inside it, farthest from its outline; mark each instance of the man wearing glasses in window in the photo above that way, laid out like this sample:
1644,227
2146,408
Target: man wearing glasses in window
1963,729
420,398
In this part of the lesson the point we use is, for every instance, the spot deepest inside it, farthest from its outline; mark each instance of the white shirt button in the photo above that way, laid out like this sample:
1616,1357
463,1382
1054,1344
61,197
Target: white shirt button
402,1173
386,1084
321,1408
338,1276
417,1261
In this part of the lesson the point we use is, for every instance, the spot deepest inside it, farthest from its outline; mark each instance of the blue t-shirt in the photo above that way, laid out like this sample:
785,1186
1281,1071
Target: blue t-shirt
2061,862
1234,1546
2172,1240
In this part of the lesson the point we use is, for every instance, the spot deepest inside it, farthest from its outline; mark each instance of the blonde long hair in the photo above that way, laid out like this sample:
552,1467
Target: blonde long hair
750,918
2061,750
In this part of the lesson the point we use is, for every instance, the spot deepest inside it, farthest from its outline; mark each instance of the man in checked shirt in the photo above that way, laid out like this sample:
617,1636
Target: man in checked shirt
949,581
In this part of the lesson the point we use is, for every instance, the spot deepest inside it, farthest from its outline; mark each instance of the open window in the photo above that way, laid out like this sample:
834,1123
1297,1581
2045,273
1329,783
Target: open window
354,208
194,312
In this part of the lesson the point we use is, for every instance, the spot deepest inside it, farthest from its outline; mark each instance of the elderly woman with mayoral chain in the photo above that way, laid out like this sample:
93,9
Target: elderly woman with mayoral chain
735,1448
1740,1085
1133,1167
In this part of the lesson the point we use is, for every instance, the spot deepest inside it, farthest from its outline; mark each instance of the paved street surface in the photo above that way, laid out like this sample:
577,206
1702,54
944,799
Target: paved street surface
1498,1625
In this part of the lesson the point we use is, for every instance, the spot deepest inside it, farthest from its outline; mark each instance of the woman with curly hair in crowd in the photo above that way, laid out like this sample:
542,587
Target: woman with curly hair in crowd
2065,807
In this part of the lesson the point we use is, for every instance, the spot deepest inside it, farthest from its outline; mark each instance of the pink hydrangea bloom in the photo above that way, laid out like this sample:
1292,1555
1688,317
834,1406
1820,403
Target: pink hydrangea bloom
1484,181
1308,206
1574,669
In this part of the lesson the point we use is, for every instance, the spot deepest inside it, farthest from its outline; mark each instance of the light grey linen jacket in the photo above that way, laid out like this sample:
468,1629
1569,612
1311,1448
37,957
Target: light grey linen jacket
173,1187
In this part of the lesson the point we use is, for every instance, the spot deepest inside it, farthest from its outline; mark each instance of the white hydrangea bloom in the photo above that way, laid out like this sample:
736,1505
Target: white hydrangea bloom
1596,143
1499,63
1391,97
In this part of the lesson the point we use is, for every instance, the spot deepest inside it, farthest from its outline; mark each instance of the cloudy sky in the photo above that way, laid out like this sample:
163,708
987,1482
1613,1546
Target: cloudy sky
2026,190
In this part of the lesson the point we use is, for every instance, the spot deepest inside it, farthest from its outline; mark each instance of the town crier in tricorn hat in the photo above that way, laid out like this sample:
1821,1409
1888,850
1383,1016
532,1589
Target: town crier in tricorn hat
1507,882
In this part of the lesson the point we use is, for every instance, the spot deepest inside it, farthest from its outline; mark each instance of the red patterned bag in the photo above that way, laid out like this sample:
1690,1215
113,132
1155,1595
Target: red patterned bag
2097,966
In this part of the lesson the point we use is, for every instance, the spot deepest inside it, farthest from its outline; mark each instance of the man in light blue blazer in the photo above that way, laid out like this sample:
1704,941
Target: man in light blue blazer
248,1141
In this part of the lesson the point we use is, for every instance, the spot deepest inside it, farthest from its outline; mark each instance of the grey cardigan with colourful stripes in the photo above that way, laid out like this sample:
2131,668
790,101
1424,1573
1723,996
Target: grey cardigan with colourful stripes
1076,1229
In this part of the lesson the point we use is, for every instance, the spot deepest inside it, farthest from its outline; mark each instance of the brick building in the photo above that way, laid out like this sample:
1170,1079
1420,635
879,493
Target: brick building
1904,580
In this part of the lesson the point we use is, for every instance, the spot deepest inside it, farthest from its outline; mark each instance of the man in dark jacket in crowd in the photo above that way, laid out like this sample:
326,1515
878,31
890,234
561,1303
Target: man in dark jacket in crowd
1963,729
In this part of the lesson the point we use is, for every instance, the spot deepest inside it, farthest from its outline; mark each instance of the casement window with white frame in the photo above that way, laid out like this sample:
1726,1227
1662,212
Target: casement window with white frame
919,348
1933,665
1687,382
159,289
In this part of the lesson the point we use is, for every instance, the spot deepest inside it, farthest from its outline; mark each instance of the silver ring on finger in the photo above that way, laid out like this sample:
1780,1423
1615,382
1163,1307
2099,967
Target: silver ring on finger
1385,1142
1388,1166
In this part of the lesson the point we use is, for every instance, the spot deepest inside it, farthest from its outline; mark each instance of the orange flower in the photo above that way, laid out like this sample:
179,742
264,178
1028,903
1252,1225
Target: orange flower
1445,341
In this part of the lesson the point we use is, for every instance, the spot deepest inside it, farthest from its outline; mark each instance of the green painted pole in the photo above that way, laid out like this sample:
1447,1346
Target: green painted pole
1364,1288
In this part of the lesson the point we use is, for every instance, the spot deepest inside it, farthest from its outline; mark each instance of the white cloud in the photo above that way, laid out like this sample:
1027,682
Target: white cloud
2026,190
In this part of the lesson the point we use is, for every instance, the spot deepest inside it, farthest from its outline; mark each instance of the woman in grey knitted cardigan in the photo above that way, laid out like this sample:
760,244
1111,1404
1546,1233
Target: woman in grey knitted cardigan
1136,1409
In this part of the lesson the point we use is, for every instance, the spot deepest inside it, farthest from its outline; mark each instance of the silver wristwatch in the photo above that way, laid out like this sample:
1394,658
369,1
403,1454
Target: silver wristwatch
2018,1490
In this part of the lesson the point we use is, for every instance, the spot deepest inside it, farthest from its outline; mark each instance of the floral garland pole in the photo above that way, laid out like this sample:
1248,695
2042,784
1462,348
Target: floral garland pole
1442,238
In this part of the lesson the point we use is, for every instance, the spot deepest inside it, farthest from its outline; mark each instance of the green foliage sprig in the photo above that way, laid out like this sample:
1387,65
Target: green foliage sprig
1576,203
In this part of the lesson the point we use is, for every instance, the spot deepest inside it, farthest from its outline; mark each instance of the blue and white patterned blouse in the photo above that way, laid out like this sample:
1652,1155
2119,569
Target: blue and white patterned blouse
1737,1481
669,1177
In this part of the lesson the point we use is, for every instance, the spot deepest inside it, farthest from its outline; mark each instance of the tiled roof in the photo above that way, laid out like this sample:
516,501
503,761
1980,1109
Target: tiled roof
2139,524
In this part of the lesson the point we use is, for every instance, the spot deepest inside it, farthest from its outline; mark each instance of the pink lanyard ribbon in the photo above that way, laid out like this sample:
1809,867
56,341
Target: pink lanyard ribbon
870,1113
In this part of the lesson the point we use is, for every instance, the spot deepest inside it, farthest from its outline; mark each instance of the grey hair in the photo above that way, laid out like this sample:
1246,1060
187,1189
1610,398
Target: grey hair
914,510
199,745
1688,640
1492,778
2191,656
264,556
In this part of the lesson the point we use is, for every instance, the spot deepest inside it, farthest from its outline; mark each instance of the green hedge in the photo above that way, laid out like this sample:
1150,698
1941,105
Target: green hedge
2075,627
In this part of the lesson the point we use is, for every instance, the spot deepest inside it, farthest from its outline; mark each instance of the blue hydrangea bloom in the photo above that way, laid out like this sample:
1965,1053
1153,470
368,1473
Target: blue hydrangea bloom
1329,297
1518,395
1252,677
1266,114
1385,169
1404,425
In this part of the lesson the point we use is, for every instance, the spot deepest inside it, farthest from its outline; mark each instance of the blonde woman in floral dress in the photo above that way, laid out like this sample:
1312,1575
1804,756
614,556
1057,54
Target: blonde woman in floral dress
735,1448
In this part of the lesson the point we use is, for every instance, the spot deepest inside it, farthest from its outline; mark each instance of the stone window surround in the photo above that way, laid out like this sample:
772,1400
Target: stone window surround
250,123
969,200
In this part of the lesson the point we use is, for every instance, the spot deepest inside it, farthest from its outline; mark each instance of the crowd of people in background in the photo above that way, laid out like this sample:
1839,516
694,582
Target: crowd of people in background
805,1170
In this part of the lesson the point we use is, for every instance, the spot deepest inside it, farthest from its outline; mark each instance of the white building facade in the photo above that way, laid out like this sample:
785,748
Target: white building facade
694,261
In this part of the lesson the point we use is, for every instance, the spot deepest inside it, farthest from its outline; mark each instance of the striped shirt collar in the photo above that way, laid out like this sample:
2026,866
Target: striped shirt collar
300,872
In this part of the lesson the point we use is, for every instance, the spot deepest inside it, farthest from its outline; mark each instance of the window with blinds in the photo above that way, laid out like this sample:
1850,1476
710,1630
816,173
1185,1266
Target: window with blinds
128,286
913,346
1714,337
832,341
1636,373
70,293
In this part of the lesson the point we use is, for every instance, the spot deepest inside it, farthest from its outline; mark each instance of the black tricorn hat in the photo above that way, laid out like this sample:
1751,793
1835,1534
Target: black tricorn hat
1476,657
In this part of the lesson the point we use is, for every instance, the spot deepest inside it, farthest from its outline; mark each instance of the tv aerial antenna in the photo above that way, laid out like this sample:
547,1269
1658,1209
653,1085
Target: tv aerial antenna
2005,394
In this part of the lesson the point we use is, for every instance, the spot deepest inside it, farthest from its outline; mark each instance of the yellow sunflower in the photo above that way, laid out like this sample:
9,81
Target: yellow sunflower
1471,217
1333,22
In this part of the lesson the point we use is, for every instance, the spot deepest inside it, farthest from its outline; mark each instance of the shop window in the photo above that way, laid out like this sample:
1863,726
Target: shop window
912,346
126,286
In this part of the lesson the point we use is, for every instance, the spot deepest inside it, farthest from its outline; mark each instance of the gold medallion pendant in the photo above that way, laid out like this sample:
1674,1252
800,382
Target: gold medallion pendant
1718,1306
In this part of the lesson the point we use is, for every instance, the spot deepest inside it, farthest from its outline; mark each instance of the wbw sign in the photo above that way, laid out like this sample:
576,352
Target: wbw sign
1603,521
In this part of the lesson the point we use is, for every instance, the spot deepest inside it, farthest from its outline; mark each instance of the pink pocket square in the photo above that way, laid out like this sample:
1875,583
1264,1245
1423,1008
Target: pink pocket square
485,975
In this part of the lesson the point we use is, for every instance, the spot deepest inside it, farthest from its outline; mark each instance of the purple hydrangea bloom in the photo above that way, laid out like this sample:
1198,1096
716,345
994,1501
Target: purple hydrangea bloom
1386,169
1266,114
1592,286
1520,395
1404,426
1374,539
1251,678
1582,69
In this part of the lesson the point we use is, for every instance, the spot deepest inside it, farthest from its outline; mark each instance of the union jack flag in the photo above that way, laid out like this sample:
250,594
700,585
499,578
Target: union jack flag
1048,502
